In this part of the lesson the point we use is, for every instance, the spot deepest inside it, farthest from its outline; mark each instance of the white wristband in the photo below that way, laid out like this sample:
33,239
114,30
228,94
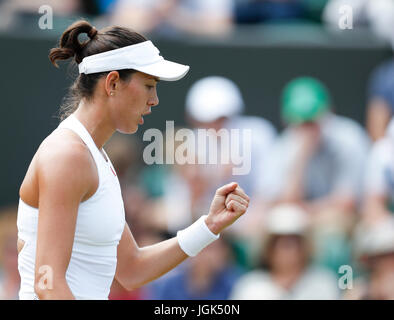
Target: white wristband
196,237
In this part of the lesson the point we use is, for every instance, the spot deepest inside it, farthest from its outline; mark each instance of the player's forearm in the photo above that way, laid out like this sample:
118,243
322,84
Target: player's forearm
154,261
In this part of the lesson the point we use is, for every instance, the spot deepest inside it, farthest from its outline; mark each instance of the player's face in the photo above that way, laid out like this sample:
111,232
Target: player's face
134,100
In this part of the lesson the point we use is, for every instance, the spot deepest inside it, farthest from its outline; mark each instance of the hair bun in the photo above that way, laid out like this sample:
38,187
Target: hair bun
92,32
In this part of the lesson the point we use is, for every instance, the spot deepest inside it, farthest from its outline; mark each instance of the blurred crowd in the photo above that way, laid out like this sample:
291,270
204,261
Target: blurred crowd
320,224
208,17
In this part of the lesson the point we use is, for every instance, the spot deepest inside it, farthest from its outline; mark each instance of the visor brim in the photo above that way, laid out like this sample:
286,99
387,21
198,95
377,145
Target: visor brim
165,70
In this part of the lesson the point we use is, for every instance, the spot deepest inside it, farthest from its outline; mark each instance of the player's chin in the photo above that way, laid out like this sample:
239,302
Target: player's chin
129,129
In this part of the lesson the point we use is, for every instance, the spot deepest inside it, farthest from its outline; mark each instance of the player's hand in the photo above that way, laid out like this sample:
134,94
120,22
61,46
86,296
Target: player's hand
229,203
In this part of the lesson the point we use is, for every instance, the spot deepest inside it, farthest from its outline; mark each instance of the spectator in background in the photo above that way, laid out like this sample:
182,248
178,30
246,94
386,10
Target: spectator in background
375,249
378,15
332,13
9,275
261,11
378,202
318,163
258,11
319,159
15,13
201,17
208,276
59,7
286,252
216,102
380,99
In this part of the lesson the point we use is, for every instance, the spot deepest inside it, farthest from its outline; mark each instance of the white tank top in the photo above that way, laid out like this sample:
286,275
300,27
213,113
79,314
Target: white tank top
99,226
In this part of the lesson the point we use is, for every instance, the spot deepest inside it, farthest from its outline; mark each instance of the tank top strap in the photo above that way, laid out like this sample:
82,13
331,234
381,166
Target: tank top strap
75,125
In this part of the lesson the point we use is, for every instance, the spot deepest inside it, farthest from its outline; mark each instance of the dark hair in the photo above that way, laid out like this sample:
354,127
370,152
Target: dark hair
109,38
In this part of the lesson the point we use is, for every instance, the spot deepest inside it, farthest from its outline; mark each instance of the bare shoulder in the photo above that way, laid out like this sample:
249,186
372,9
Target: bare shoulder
60,150
64,156
62,160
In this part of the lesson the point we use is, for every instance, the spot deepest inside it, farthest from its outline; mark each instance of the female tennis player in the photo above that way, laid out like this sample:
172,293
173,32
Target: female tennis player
72,235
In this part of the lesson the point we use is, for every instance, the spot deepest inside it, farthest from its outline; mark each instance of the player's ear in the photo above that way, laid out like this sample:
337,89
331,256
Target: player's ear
111,82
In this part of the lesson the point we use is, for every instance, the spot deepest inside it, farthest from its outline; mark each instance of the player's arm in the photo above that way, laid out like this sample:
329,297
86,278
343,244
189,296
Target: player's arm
138,266
64,178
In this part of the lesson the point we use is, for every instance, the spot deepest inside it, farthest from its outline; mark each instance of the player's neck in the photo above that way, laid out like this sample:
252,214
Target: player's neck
96,122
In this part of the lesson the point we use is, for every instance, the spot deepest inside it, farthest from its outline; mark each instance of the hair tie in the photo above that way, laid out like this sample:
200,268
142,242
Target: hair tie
92,32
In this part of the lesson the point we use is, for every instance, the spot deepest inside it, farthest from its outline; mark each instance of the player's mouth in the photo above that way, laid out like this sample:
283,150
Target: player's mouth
144,114
148,112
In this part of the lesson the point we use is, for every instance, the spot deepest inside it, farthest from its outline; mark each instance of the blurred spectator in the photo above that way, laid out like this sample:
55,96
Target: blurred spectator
9,275
375,248
257,11
260,11
377,14
204,17
332,13
59,7
14,13
286,253
216,103
380,106
105,6
378,199
208,276
318,163
380,14
313,9
318,160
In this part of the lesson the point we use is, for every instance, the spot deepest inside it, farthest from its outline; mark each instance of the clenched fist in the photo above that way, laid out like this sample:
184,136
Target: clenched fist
229,203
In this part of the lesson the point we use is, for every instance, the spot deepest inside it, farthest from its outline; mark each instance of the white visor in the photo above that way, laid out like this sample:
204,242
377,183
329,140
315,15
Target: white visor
143,57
